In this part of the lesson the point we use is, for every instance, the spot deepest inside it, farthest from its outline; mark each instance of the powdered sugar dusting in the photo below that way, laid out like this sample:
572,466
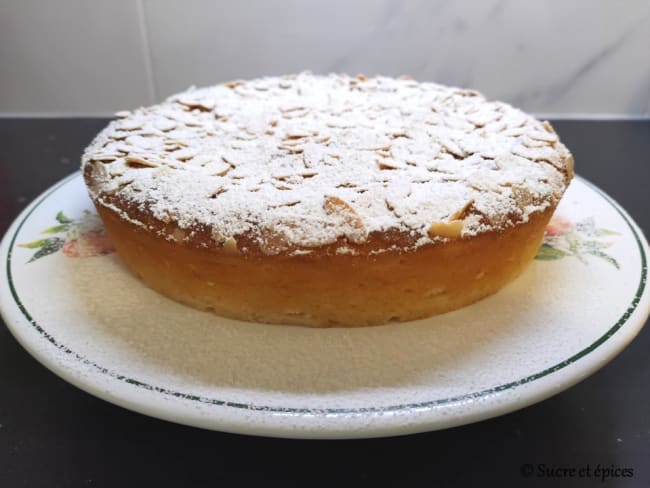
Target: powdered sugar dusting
309,160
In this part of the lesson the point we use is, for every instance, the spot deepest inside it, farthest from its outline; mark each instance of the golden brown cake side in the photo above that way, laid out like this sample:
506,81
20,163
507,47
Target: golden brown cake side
324,289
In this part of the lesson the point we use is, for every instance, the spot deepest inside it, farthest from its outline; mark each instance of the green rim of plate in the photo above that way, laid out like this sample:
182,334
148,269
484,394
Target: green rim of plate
402,407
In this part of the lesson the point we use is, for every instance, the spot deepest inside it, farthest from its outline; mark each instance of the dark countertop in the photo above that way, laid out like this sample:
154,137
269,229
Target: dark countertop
52,434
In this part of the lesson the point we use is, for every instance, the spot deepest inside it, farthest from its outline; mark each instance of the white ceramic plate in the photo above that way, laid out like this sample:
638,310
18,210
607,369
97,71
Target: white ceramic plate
69,301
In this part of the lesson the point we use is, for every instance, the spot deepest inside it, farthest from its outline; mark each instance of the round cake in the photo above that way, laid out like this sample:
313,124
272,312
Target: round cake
327,200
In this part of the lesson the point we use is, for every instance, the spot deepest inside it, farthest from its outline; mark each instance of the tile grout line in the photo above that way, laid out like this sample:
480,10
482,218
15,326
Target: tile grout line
146,48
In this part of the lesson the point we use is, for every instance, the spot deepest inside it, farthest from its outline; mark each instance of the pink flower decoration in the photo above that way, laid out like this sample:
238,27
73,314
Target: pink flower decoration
558,226
92,243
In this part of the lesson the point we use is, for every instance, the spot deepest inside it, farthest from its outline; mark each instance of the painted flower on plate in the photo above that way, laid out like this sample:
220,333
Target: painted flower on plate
76,238
564,238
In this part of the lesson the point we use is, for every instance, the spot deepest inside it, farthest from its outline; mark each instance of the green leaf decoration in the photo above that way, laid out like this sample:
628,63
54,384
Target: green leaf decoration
35,244
56,229
51,245
548,253
606,257
62,219
594,245
605,232
573,240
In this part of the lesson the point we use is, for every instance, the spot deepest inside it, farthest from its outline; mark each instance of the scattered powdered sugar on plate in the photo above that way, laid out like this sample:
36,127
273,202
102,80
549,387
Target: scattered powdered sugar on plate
312,160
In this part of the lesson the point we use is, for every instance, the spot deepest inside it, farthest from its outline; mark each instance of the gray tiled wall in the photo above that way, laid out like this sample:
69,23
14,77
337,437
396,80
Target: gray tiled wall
546,56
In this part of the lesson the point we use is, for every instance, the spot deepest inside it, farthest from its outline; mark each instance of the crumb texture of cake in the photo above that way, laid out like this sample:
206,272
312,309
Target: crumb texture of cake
286,165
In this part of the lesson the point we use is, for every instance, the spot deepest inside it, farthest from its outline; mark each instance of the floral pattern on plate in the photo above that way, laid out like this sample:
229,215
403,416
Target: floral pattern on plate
564,238
86,237
76,238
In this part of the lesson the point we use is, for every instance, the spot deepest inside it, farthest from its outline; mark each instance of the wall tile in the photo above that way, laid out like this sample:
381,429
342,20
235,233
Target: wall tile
71,56
202,41
546,56
586,56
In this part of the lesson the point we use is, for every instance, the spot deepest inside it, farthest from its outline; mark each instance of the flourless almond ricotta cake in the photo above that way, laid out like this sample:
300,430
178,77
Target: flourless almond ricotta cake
327,200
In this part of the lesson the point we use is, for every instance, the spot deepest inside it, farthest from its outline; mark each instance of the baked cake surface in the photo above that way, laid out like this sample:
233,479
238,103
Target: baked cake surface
327,200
